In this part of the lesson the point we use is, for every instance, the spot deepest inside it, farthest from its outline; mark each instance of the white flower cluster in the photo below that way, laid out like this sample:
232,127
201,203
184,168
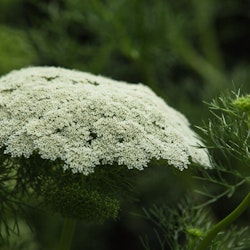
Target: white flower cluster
87,120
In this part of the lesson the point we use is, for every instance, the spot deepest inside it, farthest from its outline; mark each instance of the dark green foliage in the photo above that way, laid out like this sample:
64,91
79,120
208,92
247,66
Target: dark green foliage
75,201
181,227
11,203
178,226
23,240
18,56
92,198
227,137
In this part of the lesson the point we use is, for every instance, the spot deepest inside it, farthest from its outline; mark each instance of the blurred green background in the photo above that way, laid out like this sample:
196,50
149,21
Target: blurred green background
186,51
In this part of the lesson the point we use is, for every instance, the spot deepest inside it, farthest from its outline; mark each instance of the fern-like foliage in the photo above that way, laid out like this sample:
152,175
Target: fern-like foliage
11,205
181,227
227,136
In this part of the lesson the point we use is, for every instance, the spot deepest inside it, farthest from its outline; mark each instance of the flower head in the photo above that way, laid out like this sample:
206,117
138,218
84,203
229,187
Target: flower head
243,103
87,120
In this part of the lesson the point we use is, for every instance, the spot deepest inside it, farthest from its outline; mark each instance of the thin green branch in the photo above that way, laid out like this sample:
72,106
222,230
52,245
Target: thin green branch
224,223
204,21
206,70
67,234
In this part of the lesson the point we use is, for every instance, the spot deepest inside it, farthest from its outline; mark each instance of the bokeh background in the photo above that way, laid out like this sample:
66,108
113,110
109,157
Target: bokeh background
186,51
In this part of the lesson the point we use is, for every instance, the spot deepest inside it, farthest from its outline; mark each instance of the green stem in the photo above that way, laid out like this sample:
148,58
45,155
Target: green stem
67,234
224,223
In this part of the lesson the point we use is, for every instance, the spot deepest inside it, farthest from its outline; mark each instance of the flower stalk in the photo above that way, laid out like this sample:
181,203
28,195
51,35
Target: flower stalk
67,234
224,223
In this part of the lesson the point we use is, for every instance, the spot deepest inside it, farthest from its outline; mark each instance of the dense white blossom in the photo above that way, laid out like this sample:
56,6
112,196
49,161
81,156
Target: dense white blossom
87,120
